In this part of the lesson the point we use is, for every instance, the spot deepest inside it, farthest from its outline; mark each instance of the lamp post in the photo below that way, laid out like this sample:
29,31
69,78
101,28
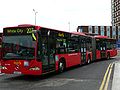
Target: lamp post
69,25
35,15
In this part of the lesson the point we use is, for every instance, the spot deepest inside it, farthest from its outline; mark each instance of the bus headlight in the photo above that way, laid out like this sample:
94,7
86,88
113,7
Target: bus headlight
3,67
35,68
26,63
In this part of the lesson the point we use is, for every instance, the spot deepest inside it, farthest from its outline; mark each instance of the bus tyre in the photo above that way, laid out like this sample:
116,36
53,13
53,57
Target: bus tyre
108,56
61,66
88,61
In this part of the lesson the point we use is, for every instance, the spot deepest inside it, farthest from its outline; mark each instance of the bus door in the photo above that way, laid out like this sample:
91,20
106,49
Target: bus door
47,58
103,49
46,52
83,50
94,44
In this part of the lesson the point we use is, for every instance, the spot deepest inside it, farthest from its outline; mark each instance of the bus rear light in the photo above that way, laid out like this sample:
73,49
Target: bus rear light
35,68
26,63
3,67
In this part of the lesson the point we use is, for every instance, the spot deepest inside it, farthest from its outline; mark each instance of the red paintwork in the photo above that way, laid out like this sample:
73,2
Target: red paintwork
11,67
79,33
112,52
56,64
98,56
71,59
100,36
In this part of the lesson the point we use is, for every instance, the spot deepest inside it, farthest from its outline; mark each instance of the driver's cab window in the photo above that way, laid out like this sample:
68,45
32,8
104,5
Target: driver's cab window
44,53
44,45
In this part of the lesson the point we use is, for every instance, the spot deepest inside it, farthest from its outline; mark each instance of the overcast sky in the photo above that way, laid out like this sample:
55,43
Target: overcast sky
55,13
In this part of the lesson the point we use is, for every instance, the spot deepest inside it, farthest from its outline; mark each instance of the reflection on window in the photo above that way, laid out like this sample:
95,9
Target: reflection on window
18,47
90,29
111,45
96,29
102,30
80,29
114,32
101,45
61,46
73,45
108,31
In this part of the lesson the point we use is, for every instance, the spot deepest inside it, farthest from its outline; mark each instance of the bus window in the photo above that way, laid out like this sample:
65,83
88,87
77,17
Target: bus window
73,47
44,50
98,46
61,46
89,44
101,45
51,41
20,47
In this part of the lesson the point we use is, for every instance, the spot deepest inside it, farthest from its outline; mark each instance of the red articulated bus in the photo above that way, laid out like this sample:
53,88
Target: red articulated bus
36,50
105,47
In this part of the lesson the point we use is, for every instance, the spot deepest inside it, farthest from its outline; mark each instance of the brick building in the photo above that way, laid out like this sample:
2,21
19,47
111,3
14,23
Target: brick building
110,31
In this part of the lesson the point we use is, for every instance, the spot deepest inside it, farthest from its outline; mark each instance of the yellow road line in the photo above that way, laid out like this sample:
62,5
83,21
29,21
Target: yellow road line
104,79
107,82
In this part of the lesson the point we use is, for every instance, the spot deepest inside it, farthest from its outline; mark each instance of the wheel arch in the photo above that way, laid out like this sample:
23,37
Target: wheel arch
62,59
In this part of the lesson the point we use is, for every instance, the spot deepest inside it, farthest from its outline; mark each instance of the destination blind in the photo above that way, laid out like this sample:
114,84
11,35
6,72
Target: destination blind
18,31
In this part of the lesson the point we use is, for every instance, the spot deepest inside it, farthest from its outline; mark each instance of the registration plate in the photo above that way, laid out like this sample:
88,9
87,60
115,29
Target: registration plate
15,72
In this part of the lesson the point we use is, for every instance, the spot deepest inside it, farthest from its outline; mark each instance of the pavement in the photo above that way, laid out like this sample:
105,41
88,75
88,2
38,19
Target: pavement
116,75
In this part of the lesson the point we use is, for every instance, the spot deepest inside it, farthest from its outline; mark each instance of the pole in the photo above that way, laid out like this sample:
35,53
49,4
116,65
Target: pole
35,15
69,26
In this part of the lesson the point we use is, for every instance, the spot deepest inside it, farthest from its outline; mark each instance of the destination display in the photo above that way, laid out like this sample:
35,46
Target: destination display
18,30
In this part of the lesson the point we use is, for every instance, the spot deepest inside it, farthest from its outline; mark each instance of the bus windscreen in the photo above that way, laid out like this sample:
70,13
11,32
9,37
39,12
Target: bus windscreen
18,31
21,45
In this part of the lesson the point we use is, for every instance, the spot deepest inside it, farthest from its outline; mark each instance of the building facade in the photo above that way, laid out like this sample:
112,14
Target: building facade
115,11
110,31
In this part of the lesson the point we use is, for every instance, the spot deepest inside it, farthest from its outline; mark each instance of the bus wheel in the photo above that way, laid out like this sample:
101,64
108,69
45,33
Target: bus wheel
88,61
61,66
108,56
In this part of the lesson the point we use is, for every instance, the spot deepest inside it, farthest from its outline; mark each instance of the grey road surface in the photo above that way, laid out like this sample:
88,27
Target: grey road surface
86,77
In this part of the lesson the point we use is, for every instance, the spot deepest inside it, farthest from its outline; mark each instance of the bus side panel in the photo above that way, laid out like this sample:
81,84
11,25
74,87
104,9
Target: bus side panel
98,56
94,55
70,59
112,52
73,59
56,65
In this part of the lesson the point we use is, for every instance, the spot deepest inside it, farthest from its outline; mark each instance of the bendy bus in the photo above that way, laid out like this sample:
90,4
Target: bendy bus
36,50
104,47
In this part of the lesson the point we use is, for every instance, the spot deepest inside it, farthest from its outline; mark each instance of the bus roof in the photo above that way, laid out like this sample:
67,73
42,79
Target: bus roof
38,27
30,25
78,33
100,36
